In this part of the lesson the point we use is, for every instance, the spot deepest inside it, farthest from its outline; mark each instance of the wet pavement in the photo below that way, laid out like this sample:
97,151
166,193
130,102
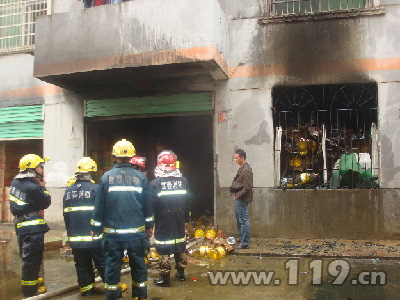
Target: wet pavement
285,277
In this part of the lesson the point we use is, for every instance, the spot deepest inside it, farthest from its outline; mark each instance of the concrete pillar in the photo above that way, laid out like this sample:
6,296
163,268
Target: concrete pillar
64,144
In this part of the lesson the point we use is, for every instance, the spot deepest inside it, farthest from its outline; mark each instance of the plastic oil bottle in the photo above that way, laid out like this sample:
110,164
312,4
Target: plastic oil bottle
217,253
200,252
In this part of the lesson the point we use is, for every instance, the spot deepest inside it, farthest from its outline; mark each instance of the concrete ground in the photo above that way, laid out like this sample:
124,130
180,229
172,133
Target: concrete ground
297,264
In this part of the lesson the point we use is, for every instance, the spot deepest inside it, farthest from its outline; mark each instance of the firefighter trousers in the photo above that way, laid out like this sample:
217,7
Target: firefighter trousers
32,246
84,258
180,262
136,250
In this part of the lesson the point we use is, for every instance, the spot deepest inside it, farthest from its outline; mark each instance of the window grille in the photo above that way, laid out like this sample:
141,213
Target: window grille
326,136
17,23
290,10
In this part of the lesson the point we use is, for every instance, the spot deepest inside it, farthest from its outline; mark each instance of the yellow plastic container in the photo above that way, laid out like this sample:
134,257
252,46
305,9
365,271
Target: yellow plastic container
217,253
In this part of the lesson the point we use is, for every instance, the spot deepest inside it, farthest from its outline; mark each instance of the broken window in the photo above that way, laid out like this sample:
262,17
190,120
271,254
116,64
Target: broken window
289,10
326,136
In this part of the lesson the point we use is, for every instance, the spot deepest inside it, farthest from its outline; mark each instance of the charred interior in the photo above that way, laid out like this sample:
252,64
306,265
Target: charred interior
190,137
326,136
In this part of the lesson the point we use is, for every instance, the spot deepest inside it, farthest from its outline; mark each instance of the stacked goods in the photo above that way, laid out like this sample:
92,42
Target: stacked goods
10,154
2,174
7,215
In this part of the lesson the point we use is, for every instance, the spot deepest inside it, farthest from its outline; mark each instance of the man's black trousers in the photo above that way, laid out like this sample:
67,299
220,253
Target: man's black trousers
114,253
32,246
84,258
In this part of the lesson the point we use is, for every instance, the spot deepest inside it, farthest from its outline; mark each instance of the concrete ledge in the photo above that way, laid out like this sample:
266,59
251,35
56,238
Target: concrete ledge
323,214
387,249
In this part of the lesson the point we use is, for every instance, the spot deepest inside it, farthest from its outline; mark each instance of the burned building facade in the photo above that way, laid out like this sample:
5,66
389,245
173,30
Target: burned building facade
307,88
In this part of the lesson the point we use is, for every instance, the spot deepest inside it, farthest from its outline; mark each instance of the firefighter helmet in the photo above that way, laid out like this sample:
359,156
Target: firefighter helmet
31,161
139,161
71,181
166,160
86,165
123,148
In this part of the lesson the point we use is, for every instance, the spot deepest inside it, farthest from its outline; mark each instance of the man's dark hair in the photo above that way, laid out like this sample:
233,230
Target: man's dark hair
241,153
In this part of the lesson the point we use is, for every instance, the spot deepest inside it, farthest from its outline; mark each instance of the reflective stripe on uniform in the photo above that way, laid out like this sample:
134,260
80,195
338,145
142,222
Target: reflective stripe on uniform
94,223
87,288
176,192
170,242
139,284
78,208
31,223
16,200
33,282
112,287
190,213
125,189
149,219
129,230
81,238
46,192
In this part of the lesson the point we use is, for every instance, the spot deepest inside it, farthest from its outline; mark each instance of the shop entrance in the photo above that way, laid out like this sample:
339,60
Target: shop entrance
189,136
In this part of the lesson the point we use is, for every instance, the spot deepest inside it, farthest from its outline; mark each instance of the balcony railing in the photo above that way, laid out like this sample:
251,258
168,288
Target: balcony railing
17,24
297,10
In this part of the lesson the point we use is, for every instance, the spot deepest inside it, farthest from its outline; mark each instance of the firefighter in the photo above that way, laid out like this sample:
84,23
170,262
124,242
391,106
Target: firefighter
171,203
78,205
124,214
28,196
139,163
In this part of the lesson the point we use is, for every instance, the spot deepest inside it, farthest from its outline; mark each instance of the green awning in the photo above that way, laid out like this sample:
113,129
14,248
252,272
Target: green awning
152,105
21,122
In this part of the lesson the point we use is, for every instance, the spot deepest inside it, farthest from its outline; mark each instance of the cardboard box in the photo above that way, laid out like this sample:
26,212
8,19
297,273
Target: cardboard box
7,215
6,191
2,148
2,174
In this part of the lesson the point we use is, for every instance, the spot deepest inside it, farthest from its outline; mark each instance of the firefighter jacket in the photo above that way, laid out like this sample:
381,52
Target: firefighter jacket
171,203
27,198
122,209
78,205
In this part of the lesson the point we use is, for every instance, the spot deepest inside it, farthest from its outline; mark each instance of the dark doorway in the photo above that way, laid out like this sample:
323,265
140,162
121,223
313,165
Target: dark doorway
190,137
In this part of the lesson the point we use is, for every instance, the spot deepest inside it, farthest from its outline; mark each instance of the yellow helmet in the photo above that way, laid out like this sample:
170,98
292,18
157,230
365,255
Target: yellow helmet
86,165
31,161
71,181
123,148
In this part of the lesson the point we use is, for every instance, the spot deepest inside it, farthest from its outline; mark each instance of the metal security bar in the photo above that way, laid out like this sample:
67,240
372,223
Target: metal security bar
17,23
326,137
288,10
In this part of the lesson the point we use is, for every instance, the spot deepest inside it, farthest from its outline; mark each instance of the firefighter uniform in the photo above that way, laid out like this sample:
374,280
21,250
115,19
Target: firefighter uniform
27,198
78,205
123,212
171,203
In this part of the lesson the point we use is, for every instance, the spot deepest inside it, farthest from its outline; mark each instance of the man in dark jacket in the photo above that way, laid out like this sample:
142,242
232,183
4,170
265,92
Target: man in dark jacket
78,205
124,214
242,191
28,196
171,202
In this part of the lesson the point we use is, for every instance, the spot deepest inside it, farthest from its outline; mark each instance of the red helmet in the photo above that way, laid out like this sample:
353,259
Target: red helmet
166,160
139,161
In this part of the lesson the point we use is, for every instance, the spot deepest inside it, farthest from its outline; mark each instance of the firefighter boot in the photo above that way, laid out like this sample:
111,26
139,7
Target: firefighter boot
164,281
180,274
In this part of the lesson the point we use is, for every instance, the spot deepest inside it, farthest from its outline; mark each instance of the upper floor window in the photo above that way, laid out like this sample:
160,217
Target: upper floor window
298,10
17,24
